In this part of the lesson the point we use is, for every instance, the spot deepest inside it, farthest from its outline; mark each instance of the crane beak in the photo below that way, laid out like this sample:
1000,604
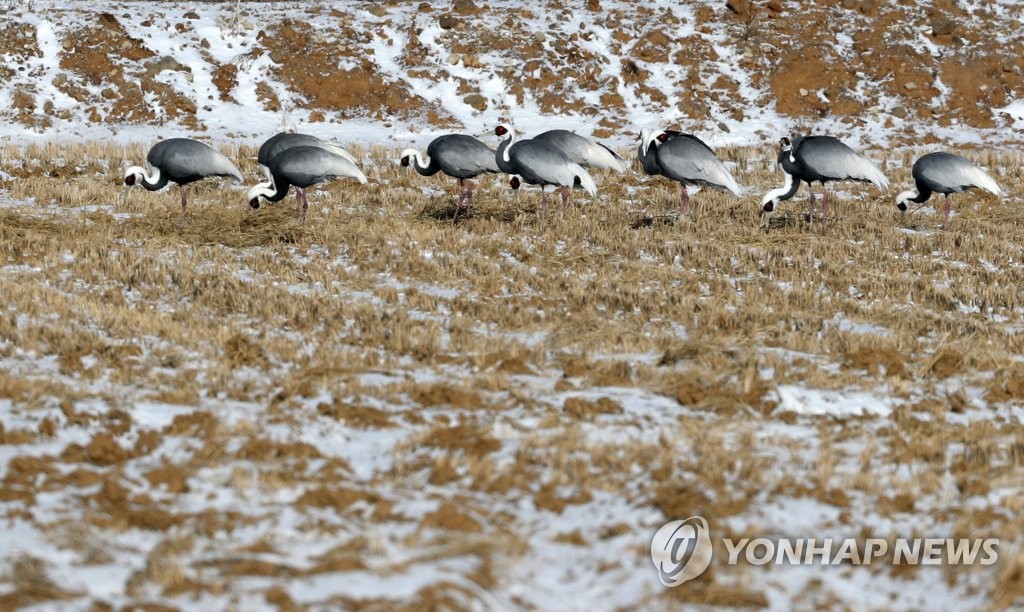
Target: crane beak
124,197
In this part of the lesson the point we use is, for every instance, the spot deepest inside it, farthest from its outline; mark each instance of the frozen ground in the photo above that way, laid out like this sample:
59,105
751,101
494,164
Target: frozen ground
380,408
209,68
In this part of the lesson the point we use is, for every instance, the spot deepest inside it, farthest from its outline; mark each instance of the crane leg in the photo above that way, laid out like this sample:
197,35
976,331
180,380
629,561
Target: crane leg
300,193
810,203
824,203
684,201
184,199
305,205
945,212
469,196
565,199
458,203
543,203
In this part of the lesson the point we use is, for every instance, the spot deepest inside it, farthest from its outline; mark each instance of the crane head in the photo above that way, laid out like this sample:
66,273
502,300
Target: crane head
133,175
904,197
405,157
261,189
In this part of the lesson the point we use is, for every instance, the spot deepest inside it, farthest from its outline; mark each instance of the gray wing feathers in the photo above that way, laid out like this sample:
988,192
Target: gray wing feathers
691,160
540,163
308,165
464,154
287,140
831,158
184,156
223,167
337,149
584,151
954,172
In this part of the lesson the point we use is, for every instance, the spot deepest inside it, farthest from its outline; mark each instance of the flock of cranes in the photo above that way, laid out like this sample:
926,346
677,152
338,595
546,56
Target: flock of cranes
559,159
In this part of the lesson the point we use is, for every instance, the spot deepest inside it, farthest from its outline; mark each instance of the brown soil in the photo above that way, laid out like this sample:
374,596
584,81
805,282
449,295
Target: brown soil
792,62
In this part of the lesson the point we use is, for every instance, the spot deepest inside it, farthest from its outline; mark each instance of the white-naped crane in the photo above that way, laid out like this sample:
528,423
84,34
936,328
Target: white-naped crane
818,159
457,155
539,163
181,161
302,167
287,140
944,173
686,159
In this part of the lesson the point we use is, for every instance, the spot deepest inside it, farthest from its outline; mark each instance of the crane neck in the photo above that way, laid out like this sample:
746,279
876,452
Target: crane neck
506,144
152,182
424,164
787,191
271,191
917,196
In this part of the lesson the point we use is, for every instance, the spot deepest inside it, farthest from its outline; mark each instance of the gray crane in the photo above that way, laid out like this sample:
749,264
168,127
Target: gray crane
944,173
286,140
686,159
302,167
180,161
539,163
818,159
457,155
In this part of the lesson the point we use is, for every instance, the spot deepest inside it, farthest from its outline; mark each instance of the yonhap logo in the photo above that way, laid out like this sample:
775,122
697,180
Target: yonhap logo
681,550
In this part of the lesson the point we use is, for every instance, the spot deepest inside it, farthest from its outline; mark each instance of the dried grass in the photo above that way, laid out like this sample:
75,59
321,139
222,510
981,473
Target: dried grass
378,284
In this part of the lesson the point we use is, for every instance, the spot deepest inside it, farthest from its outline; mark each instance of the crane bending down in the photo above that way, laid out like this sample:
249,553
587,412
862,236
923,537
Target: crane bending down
302,167
818,159
539,163
457,155
277,143
686,159
944,173
181,161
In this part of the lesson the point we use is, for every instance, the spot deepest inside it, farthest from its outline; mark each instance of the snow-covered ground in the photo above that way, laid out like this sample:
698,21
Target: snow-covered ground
696,65
379,408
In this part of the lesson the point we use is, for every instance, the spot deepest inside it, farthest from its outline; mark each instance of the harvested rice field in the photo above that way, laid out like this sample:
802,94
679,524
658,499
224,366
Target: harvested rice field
380,408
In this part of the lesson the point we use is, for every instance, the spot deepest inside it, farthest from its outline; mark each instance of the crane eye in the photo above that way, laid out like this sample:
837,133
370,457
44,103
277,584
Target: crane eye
254,203
405,160
663,137
129,180
785,141
500,130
